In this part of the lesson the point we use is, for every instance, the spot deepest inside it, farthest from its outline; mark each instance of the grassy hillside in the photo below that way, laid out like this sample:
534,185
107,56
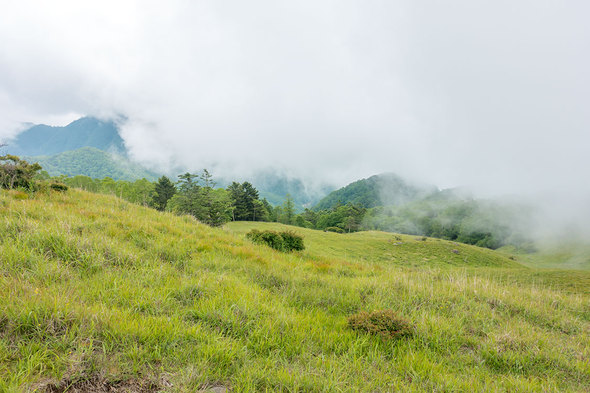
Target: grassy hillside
505,265
565,254
97,293
394,249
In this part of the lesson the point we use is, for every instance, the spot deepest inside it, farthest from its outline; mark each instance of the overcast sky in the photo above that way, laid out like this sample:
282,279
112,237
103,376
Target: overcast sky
494,95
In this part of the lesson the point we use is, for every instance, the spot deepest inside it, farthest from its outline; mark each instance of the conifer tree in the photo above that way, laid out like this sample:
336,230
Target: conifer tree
164,190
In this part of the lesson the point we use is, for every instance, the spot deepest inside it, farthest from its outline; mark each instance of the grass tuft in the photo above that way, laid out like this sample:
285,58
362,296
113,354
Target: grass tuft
383,323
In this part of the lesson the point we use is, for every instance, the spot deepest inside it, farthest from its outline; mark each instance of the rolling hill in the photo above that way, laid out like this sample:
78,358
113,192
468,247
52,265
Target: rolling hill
97,294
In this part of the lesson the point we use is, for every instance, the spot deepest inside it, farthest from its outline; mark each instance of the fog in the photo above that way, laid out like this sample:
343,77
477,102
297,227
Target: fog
492,95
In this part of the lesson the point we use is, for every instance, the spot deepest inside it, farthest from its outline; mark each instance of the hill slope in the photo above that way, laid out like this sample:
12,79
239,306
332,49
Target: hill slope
96,293
92,162
393,249
43,140
378,190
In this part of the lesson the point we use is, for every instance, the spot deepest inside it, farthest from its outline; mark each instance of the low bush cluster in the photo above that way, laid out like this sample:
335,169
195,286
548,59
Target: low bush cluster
384,323
17,173
59,187
285,241
334,229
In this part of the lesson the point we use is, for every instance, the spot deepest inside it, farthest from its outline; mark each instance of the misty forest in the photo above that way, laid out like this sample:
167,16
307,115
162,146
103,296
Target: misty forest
294,197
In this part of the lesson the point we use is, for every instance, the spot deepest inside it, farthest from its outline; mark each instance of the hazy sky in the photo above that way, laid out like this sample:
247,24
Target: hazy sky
489,94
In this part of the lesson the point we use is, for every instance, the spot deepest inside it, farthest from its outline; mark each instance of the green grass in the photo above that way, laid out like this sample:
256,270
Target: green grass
97,291
572,254
384,247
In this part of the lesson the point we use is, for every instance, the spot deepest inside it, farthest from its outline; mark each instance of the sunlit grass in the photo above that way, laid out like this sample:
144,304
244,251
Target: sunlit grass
93,287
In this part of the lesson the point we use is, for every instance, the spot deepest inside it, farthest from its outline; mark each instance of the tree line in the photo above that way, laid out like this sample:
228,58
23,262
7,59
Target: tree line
471,222
193,193
197,195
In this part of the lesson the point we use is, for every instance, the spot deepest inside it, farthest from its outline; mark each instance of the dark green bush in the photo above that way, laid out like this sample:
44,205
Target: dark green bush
270,238
334,229
384,323
286,241
17,173
292,241
59,187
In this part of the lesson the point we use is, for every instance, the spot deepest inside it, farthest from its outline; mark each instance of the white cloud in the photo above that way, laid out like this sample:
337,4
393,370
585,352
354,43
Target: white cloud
492,95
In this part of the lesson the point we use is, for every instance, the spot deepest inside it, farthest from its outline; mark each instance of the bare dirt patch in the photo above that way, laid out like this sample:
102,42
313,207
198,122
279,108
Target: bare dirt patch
102,385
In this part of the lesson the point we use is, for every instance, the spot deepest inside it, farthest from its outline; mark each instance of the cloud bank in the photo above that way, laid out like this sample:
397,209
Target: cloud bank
491,95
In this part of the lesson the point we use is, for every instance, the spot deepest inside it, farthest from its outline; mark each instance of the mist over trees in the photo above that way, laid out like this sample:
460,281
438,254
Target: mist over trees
440,214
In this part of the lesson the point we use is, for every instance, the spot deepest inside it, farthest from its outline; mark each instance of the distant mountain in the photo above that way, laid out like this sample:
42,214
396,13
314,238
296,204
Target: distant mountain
92,162
43,140
93,147
384,189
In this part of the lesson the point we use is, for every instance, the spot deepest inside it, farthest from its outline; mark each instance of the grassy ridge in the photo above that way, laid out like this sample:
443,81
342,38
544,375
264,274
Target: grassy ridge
537,269
375,246
96,291
551,254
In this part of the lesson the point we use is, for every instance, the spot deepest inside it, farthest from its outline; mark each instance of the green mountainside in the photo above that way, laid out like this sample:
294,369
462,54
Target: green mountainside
92,162
97,294
378,190
43,140
389,203
87,146
456,216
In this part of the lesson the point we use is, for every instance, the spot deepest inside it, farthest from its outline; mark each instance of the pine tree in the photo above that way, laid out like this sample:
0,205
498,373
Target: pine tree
245,203
163,192
288,210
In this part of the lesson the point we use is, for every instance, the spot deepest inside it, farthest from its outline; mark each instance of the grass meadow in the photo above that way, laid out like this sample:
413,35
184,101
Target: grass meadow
97,293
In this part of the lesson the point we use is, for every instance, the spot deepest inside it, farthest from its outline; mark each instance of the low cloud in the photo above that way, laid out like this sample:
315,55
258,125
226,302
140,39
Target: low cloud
488,95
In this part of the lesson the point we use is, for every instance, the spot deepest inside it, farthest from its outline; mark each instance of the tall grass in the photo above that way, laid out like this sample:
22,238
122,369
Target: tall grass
93,289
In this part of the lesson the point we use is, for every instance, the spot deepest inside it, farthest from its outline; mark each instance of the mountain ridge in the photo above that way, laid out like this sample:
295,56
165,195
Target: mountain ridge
44,140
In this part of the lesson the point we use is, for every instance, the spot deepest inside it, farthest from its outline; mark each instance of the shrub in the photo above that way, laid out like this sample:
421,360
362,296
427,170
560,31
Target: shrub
17,173
286,241
334,229
59,187
270,238
292,241
384,323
